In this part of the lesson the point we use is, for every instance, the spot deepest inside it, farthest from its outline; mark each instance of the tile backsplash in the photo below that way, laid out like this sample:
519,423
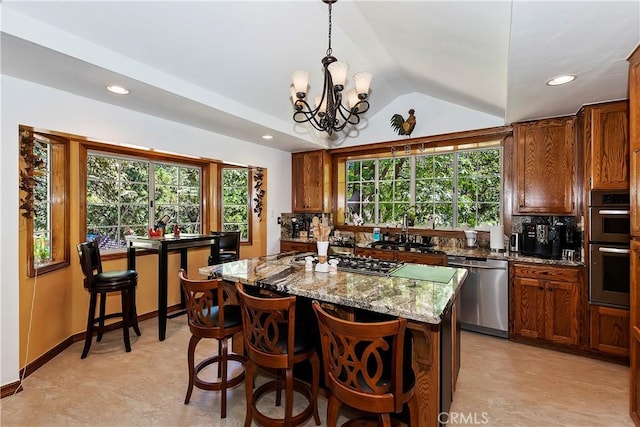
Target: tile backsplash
303,219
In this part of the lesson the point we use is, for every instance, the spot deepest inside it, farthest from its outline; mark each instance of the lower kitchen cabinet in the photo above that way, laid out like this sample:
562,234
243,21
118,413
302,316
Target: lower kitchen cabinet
287,246
403,256
386,254
422,258
609,330
545,303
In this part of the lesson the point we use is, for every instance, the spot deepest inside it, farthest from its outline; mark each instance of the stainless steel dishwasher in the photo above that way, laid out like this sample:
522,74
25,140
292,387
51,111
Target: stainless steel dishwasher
484,298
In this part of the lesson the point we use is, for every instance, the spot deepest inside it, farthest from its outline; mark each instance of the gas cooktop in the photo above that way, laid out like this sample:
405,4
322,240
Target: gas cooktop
360,264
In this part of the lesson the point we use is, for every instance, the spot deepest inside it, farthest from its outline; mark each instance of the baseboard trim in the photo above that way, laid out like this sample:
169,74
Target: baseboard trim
9,389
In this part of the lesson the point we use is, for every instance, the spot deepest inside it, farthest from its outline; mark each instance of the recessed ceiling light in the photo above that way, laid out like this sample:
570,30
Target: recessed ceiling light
560,80
267,137
118,89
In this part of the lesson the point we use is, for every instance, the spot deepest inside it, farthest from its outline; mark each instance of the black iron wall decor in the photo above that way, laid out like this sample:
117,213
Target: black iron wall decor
29,173
259,191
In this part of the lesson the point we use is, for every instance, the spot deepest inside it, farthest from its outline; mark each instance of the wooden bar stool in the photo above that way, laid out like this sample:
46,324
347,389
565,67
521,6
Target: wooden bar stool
272,342
210,315
363,368
100,283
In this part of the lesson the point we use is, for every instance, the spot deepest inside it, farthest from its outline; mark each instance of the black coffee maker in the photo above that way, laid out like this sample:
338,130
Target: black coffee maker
546,241
295,227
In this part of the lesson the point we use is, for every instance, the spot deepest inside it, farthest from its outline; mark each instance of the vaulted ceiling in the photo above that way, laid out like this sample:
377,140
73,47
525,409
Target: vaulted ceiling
225,65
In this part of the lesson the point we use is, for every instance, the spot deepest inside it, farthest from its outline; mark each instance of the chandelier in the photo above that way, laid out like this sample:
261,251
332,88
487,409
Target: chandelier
329,114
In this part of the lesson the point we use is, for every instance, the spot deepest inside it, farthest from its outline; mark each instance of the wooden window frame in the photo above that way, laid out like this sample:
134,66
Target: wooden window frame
60,210
85,146
250,193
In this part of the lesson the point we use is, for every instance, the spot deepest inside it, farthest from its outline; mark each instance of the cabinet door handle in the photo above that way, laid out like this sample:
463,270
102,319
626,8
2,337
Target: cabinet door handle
522,206
541,288
614,250
550,289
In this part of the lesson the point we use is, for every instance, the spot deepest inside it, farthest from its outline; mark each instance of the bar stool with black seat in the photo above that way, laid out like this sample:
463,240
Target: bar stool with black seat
211,314
229,246
364,369
272,342
100,283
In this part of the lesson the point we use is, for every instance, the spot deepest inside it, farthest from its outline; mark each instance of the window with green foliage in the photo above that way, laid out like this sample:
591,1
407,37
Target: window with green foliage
236,197
45,185
454,188
42,241
128,195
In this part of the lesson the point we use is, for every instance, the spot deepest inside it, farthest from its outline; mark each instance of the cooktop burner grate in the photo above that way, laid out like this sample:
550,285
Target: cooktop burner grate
362,265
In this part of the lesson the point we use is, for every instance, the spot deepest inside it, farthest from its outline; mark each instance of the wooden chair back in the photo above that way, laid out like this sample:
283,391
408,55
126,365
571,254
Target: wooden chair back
205,300
363,362
90,261
268,329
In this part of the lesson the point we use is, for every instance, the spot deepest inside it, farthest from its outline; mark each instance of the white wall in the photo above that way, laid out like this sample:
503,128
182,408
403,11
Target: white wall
433,117
42,107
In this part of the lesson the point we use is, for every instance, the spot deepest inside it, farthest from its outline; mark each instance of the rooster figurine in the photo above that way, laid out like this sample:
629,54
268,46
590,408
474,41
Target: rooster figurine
402,126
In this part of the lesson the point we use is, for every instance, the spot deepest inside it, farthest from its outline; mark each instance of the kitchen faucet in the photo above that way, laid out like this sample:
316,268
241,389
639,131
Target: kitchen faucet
405,229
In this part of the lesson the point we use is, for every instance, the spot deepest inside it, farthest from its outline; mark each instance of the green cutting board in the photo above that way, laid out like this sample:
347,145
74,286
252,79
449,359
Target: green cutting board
425,272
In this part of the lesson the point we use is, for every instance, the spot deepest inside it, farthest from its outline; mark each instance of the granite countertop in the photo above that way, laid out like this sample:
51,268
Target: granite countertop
486,253
420,300
476,252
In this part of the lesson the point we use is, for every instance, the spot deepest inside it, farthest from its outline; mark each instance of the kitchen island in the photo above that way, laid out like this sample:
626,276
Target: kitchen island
429,306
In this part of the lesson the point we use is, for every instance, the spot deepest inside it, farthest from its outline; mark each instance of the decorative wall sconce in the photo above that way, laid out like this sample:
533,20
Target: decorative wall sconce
29,173
260,192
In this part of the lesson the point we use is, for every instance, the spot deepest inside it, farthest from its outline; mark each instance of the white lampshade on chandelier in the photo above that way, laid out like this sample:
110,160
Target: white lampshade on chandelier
329,114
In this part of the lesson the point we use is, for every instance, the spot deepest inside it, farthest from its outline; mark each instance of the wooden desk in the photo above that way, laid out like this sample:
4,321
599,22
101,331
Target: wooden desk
163,245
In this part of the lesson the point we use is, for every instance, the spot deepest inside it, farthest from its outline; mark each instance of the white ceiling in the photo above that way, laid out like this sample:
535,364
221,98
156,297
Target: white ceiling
224,65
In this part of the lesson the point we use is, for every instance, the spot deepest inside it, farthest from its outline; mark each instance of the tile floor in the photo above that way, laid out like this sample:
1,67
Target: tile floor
501,383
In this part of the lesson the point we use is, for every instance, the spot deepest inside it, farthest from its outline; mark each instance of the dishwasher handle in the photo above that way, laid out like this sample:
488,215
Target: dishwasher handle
485,267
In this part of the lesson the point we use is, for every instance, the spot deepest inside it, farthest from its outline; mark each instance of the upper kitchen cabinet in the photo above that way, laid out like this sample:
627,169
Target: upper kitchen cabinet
544,172
311,181
606,140
634,137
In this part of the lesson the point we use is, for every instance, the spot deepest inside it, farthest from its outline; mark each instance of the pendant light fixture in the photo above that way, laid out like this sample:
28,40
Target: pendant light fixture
329,114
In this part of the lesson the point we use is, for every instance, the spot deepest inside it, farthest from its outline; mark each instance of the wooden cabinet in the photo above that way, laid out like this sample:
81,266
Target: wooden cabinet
634,154
606,139
545,170
420,258
545,303
609,330
408,257
376,253
634,140
287,246
311,181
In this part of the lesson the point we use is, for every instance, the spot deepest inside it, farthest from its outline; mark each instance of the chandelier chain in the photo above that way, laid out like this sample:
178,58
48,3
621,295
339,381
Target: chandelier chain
329,50
329,114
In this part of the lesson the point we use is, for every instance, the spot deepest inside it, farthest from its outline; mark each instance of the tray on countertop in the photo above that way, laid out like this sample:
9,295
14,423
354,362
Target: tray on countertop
425,272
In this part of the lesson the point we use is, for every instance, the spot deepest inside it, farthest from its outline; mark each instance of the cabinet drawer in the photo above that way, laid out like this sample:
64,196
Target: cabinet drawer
561,274
420,258
297,246
376,253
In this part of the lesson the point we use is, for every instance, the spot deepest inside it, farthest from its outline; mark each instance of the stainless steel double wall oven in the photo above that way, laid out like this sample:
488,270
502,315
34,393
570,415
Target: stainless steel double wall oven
609,229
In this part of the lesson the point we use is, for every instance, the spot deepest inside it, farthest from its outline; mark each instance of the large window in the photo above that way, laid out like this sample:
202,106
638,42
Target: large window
44,181
236,199
455,187
128,195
